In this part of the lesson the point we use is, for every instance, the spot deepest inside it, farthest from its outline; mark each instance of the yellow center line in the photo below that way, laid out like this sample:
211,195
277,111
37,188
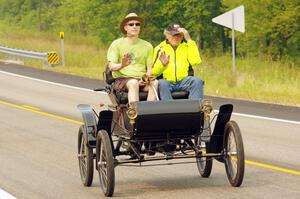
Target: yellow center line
267,166
30,107
40,112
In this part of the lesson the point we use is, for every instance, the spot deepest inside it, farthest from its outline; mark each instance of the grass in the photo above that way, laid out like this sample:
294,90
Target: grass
255,79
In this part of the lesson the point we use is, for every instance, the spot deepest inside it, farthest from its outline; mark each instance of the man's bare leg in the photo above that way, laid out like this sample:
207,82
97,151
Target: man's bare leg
133,90
151,92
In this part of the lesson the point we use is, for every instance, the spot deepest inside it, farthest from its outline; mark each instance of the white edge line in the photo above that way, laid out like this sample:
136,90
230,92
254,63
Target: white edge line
53,83
266,118
261,117
6,195
102,92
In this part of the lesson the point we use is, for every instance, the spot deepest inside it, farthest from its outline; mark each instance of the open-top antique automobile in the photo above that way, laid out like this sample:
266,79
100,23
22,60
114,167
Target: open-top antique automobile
123,134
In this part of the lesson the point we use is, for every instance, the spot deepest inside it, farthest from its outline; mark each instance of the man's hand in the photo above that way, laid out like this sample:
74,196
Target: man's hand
125,60
146,79
142,83
164,58
185,33
149,73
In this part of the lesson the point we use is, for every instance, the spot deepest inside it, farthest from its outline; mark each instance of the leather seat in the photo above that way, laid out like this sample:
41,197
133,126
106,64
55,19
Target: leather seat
122,97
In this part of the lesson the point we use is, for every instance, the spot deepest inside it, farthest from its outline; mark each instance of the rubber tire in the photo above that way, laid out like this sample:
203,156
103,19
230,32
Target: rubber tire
86,176
233,127
204,170
104,140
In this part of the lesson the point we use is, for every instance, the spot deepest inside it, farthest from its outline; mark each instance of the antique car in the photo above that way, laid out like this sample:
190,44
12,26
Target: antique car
126,134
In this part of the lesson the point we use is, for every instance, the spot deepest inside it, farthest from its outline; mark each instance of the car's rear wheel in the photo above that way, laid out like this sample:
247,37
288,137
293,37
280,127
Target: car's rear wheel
204,164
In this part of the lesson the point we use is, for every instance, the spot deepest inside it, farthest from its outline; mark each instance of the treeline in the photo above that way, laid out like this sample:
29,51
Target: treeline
272,26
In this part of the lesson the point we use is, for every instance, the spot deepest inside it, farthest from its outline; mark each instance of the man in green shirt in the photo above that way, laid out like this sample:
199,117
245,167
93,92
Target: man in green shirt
130,58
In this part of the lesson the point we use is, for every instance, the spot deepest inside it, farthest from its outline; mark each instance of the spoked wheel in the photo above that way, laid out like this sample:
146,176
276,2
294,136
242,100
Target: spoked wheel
105,164
204,164
85,158
234,154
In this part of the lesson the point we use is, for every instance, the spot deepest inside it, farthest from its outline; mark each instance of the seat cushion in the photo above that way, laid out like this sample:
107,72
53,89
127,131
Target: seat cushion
180,95
122,97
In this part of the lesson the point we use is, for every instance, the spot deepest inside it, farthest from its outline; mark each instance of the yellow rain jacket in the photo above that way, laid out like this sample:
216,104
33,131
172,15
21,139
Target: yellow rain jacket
185,54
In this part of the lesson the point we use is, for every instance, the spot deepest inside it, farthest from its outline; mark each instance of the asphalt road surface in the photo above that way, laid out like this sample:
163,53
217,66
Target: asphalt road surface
39,122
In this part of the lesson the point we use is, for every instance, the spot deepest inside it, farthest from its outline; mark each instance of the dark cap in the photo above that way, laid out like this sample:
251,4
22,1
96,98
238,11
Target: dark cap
172,29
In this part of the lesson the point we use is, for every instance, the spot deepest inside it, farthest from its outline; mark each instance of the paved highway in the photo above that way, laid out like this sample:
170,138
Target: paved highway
39,123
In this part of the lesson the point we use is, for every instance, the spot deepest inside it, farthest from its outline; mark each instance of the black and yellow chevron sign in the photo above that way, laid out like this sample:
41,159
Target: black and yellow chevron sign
52,58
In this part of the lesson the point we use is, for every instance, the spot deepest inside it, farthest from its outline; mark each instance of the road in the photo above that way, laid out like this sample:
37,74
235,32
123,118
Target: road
39,123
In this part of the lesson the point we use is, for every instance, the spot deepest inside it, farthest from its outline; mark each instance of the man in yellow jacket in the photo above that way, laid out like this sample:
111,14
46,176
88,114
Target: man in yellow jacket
172,59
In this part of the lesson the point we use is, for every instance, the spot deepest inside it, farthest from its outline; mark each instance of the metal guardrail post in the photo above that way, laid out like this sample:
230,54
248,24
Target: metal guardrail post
47,57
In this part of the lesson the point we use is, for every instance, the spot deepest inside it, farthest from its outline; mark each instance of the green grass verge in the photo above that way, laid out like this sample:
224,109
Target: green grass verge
255,79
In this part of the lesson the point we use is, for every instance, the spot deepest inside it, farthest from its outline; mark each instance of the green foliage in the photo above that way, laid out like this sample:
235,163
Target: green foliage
272,26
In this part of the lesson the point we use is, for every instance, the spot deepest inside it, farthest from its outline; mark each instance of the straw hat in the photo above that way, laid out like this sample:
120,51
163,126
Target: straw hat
129,17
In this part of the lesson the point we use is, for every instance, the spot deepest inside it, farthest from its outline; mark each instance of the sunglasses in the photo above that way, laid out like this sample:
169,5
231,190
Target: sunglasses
132,24
177,35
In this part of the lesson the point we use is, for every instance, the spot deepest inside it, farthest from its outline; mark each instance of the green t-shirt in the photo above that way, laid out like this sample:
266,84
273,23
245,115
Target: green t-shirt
141,53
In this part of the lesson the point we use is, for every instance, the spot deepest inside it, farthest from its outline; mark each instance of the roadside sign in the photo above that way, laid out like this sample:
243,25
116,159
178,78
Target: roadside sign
52,58
234,19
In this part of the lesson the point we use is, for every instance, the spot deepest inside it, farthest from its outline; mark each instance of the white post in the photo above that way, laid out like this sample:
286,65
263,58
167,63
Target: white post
62,35
233,45
62,51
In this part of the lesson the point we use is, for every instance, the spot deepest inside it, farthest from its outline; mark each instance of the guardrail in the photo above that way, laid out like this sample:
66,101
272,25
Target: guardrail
47,57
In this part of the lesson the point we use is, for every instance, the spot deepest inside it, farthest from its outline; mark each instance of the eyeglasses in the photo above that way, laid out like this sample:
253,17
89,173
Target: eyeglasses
132,24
